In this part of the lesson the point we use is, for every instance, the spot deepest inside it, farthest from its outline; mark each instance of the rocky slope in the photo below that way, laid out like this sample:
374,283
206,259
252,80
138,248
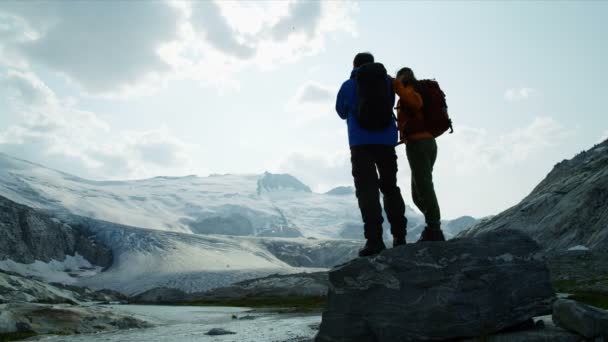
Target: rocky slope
568,208
273,286
27,235
16,288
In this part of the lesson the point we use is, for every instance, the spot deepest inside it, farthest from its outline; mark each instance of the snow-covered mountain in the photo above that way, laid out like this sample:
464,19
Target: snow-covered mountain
274,205
82,251
189,233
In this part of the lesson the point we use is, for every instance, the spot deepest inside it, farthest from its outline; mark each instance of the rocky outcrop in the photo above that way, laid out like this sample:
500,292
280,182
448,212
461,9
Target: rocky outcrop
273,286
585,320
434,291
16,288
27,235
164,295
63,319
272,182
568,208
324,254
276,285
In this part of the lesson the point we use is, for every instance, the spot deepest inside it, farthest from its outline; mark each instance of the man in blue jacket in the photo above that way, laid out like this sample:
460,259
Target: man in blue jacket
374,166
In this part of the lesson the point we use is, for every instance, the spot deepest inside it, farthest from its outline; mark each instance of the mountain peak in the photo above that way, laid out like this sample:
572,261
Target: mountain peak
273,182
341,191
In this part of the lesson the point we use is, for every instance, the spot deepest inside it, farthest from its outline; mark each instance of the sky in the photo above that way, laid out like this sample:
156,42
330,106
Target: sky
137,89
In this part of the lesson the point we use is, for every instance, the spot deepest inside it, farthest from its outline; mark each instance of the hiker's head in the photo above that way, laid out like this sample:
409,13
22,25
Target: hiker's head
363,58
406,75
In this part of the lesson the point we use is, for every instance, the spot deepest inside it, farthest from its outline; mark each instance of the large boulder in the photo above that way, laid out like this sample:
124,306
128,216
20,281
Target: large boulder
583,319
434,291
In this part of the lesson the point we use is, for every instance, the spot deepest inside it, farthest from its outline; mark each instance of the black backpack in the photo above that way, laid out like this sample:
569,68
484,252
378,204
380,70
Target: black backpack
375,110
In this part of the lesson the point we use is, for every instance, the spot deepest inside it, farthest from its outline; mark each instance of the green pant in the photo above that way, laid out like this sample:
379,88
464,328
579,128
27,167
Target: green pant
421,154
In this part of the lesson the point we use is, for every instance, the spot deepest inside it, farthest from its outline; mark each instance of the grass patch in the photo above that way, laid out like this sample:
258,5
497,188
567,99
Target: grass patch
299,304
596,299
16,336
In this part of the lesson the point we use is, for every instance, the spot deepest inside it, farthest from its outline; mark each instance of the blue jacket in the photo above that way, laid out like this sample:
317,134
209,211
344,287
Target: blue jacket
346,106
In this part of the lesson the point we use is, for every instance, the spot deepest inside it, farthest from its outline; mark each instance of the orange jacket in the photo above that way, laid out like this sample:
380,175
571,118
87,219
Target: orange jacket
409,113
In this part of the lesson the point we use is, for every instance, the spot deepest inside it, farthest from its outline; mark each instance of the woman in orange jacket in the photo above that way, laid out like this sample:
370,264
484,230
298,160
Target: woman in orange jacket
421,150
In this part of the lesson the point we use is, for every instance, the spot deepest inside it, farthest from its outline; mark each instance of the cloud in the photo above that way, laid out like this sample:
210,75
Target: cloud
283,32
29,88
303,16
467,152
313,93
133,47
102,46
519,94
56,132
311,102
472,149
206,18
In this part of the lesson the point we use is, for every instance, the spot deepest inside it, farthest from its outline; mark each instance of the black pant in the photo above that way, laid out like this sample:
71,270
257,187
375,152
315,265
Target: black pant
375,170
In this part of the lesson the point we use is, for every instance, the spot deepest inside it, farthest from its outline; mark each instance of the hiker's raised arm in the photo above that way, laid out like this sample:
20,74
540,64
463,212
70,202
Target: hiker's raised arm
341,106
408,96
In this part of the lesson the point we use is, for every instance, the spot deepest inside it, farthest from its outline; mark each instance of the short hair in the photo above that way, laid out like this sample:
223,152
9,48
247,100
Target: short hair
363,58
408,74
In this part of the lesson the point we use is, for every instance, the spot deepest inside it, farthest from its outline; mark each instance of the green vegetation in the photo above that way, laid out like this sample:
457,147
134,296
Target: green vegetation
596,299
291,304
16,336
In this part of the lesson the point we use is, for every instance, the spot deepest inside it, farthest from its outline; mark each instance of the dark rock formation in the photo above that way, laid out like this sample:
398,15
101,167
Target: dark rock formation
228,225
585,320
273,286
219,331
342,191
435,291
27,235
16,288
325,253
276,285
162,295
63,319
568,208
271,182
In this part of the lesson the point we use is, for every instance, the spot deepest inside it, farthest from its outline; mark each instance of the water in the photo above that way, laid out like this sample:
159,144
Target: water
188,323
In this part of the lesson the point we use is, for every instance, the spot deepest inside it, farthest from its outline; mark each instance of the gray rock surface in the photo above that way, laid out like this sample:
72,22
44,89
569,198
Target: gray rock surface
27,235
219,331
434,291
63,319
16,288
568,208
324,254
276,285
543,331
583,319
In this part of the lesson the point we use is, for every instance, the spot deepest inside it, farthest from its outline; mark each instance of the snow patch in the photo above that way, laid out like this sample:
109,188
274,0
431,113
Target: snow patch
578,248
68,271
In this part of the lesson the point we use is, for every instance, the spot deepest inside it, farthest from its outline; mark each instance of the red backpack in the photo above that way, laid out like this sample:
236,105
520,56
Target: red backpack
434,108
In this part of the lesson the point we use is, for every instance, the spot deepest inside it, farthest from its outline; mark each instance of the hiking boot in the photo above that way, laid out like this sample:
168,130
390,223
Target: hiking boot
431,235
372,247
398,241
